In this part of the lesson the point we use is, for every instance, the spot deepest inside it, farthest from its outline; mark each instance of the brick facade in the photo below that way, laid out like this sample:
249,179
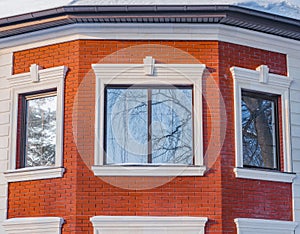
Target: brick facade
218,195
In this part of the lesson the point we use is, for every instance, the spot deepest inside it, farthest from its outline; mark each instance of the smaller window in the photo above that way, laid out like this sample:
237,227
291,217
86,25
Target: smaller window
261,106
260,130
38,129
37,120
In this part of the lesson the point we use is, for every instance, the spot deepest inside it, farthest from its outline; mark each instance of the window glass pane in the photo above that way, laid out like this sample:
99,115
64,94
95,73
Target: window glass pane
172,140
126,126
148,125
259,131
40,131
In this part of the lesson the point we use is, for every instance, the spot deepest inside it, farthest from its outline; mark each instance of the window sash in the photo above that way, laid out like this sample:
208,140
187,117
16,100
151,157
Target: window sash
273,99
149,99
25,118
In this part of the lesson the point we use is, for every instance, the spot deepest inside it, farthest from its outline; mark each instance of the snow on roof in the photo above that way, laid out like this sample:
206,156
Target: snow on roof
288,8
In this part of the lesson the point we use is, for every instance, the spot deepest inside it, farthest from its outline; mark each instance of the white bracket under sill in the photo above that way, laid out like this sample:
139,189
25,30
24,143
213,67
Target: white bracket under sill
150,171
257,174
34,173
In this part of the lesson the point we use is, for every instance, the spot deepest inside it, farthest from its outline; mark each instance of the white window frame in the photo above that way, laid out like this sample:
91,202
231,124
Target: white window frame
148,224
37,80
34,225
149,73
260,80
264,226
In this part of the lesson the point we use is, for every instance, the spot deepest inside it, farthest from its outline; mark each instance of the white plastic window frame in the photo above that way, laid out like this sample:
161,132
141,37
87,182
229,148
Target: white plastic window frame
34,225
260,80
37,80
170,74
148,224
264,226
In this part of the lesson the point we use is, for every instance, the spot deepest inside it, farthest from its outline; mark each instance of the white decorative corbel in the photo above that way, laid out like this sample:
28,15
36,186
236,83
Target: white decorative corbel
34,73
263,73
149,65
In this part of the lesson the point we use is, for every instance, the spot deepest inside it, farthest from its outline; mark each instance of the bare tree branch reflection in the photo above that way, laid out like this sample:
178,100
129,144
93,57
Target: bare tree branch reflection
40,132
258,130
170,125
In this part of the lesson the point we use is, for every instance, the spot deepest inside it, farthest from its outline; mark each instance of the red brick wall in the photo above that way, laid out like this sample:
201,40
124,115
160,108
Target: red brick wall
79,195
240,197
53,197
186,196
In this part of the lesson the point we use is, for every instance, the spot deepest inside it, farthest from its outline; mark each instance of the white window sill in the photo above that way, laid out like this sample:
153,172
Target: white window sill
148,224
263,226
161,170
33,225
34,173
257,174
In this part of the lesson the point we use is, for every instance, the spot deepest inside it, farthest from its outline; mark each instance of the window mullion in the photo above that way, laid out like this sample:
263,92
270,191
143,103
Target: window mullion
149,93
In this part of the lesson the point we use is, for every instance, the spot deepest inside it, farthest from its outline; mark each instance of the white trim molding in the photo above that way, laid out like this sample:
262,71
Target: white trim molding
35,173
159,170
37,79
264,226
257,174
159,74
151,31
148,225
261,80
35,225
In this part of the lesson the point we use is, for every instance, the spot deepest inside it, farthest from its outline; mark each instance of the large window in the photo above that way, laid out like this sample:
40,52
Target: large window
149,125
148,119
38,125
260,130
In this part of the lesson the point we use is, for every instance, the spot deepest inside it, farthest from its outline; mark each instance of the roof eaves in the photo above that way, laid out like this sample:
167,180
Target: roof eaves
223,14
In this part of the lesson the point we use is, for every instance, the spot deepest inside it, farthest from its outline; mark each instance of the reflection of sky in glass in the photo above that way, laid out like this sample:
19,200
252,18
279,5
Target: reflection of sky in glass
40,131
126,126
170,123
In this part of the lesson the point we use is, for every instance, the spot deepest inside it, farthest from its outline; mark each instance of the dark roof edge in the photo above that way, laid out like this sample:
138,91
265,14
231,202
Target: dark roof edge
129,9
228,14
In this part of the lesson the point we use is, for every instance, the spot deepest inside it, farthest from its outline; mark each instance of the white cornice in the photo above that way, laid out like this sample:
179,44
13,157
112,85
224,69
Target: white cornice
247,75
170,73
45,74
187,32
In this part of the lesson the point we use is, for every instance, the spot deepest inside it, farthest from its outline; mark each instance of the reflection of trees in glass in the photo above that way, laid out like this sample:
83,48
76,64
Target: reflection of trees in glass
149,125
259,130
40,131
